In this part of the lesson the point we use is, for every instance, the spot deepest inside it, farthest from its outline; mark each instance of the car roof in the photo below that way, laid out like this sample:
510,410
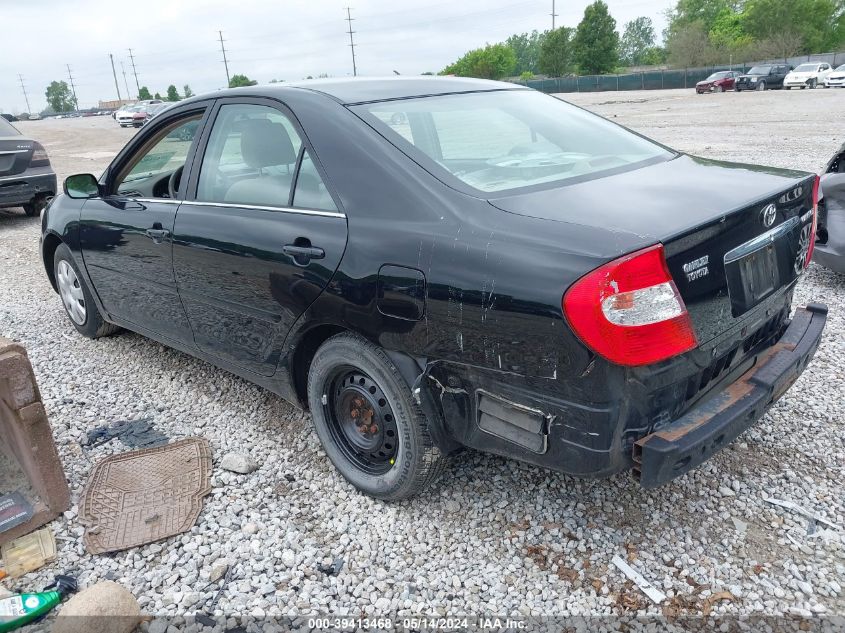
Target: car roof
365,89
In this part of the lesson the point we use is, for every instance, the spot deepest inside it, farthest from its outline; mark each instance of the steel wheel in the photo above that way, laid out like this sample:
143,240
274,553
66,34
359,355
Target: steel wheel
361,421
71,293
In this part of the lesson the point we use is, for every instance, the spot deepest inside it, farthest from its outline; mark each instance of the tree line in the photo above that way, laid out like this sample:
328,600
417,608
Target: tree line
700,33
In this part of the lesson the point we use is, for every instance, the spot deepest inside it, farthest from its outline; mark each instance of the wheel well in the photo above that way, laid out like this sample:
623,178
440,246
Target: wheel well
51,243
304,354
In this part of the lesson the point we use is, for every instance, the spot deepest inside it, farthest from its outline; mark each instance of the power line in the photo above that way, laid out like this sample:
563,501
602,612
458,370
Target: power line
349,19
125,82
25,96
554,15
134,72
114,74
225,61
73,88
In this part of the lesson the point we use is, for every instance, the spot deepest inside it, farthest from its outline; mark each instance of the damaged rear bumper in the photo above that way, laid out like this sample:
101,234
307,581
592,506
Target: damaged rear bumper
715,422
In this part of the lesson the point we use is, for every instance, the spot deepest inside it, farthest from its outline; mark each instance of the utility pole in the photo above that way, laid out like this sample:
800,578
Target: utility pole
73,88
25,96
135,72
349,19
125,82
114,73
554,15
225,61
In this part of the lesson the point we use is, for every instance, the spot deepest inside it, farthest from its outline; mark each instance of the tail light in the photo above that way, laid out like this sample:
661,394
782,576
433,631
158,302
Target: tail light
39,156
815,222
629,311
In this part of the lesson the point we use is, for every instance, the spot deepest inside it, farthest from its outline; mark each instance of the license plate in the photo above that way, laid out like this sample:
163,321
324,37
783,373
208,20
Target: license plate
755,270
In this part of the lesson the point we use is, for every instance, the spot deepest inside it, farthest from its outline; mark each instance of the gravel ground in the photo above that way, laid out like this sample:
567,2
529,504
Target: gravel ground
495,536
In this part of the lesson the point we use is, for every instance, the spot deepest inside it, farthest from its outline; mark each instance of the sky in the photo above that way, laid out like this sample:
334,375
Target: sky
176,41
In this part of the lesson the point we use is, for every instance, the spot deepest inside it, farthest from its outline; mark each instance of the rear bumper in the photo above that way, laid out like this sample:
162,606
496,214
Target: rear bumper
22,188
716,421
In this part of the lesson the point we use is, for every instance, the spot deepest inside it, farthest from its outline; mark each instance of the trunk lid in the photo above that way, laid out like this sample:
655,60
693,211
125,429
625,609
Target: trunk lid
732,233
15,155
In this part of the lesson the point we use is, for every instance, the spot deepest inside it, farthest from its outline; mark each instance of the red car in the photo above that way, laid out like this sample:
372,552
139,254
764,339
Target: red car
718,82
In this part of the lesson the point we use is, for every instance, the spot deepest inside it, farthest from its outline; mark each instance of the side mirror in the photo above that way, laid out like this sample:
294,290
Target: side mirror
81,186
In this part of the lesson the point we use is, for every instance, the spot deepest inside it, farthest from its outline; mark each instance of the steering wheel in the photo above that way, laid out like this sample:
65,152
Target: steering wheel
174,181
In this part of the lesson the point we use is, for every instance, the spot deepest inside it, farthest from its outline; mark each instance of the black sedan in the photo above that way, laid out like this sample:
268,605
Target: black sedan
433,263
26,178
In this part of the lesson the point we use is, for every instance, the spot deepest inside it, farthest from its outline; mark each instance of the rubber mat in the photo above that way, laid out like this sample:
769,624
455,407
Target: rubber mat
144,496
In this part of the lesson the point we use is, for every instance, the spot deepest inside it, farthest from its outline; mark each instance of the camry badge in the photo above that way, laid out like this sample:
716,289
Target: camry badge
768,215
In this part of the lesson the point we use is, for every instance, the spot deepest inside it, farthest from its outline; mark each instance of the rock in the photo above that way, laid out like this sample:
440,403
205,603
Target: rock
218,571
106,607
157,626
250,528
726,492
805,587
289,558
739,526
238,463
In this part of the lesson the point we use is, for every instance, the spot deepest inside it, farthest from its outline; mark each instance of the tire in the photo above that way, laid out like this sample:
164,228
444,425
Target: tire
813,84
718,89
90,323
350,373
761,86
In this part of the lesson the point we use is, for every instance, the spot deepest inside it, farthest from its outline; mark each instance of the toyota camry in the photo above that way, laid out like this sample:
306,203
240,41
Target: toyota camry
428,264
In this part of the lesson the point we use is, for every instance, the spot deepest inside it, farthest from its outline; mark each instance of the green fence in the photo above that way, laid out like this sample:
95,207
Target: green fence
651,80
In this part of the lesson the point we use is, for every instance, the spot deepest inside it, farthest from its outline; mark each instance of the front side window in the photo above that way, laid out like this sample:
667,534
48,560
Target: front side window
502,140
149,170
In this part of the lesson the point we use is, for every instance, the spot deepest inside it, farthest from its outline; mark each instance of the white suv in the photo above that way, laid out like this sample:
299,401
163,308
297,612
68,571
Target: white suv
808,75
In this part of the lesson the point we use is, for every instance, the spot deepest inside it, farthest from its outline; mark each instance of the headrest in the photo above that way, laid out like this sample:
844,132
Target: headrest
264,144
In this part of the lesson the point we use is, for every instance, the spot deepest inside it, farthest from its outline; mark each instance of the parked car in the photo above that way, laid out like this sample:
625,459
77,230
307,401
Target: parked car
11,118
35,117
431,263
830,241
718,82
133,116
807,76
154,110
765,77
26,178
836,78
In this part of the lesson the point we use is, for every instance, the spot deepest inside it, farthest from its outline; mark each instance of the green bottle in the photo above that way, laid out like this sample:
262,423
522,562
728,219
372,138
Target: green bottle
25,608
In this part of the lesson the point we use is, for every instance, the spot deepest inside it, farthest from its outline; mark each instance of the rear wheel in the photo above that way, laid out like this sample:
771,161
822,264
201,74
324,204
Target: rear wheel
76,297
367,421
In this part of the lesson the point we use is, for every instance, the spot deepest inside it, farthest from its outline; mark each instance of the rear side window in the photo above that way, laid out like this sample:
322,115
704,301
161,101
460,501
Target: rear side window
7,129
504,140
252,158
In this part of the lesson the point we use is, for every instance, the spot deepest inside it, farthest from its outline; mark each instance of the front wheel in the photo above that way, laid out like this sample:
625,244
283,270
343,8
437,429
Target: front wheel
813,84
369,425
76,297
718,89
761,86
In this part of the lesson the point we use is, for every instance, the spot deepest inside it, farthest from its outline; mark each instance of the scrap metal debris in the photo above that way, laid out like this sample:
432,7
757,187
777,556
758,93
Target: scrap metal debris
133,433
645,586
791,505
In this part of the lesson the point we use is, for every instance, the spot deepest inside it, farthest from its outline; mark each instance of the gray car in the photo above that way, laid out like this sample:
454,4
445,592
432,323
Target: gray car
26,178
829,249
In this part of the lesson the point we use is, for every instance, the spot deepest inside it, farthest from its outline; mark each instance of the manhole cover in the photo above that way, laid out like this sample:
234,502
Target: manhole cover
144,496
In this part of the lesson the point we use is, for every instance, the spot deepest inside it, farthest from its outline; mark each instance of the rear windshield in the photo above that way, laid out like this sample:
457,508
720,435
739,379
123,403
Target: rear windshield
7,129
502,140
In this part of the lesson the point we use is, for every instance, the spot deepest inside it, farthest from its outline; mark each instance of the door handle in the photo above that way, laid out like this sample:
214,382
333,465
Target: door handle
158,235
303,253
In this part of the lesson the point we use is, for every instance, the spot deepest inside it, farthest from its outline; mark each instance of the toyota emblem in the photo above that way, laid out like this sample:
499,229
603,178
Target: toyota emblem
768,215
